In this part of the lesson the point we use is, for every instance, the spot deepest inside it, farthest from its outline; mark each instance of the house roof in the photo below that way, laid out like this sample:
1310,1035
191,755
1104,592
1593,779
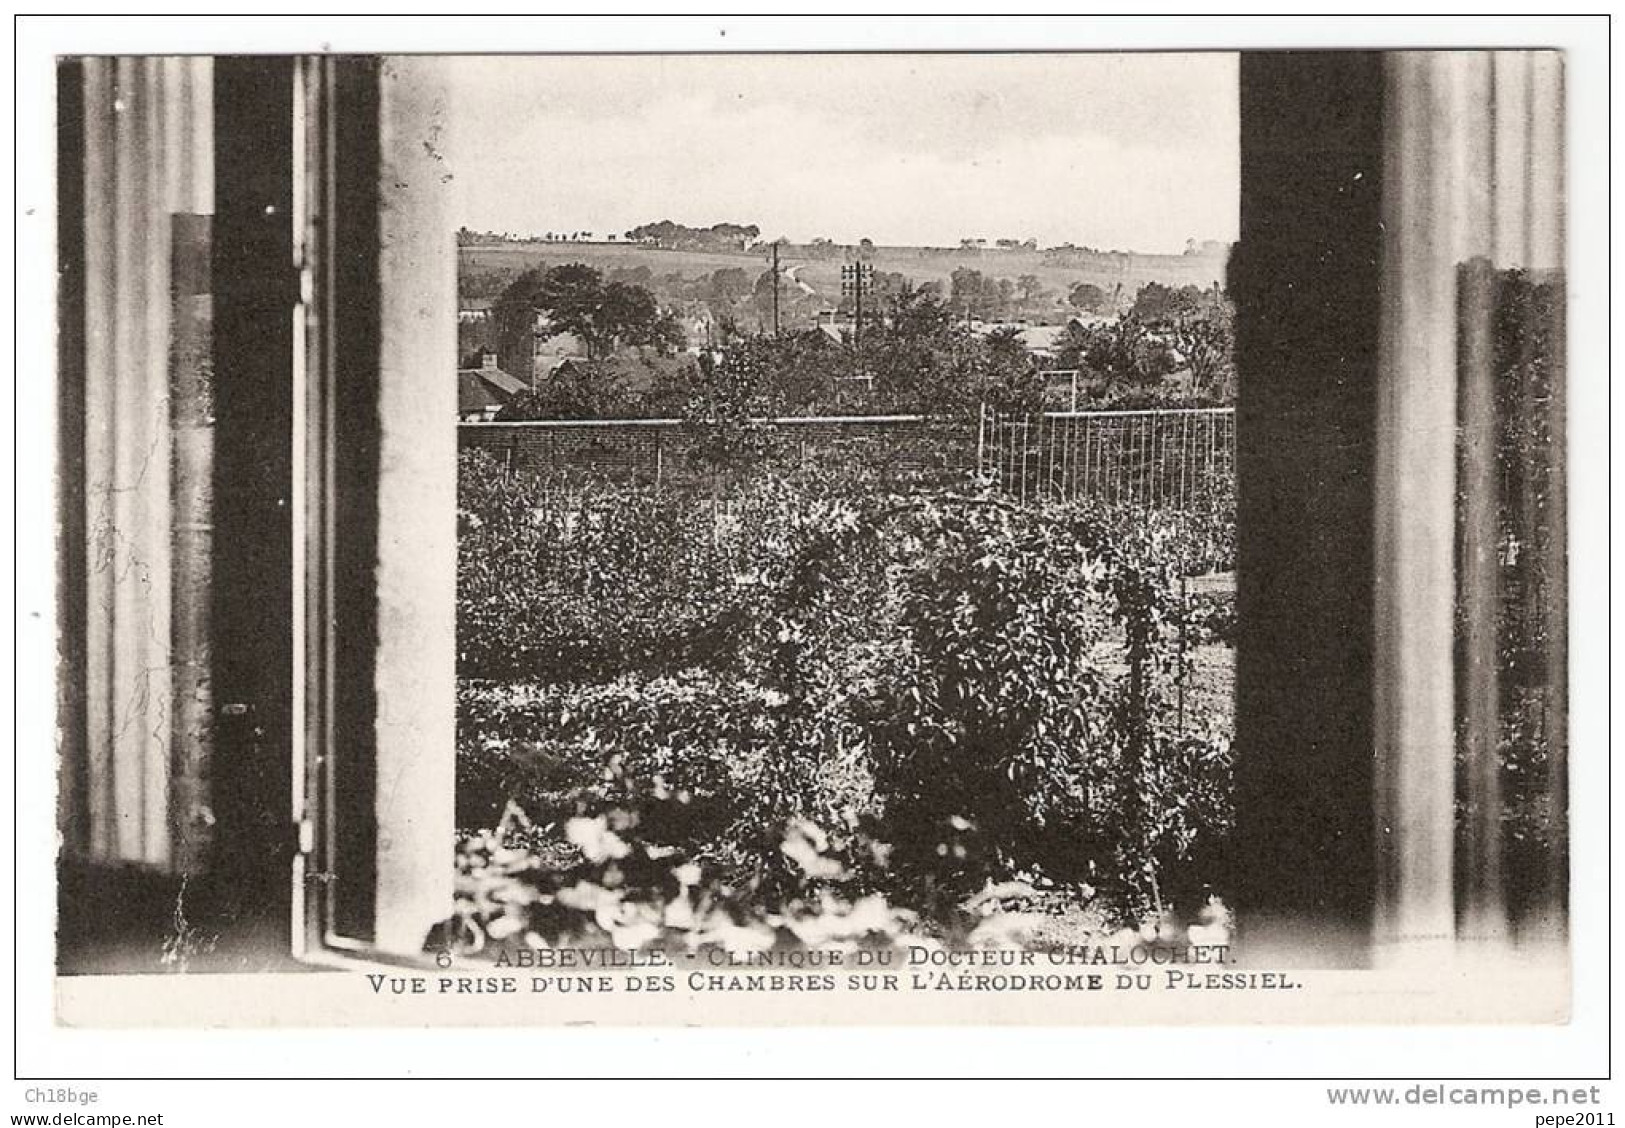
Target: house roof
482,388
637,373
512,385
1042,338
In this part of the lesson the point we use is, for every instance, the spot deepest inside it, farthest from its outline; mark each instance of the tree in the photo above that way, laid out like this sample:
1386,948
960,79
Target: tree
1208,346
575,299
922,358
882,284
728,285
639,275
513,320
628,315
575,390
1030,287
571,296
1010,380
1156,302
665,233
981,295
729,399
918,355
1088,297
1122,355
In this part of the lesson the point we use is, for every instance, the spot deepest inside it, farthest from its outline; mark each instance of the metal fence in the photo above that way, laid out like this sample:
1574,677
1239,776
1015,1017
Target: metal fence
1180,459
1176,459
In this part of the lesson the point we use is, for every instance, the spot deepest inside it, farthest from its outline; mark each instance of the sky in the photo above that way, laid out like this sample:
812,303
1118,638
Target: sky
1126,151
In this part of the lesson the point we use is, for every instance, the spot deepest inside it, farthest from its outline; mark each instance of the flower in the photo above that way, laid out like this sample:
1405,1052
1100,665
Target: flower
595,840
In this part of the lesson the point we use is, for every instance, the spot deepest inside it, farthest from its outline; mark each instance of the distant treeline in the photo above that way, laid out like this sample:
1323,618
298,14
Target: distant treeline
667,234
679,237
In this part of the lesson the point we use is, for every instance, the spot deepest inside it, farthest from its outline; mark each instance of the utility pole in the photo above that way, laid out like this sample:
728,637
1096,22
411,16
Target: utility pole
775,289
856,277
857,318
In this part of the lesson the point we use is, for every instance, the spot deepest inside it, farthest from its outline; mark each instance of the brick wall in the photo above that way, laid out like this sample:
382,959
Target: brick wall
665,452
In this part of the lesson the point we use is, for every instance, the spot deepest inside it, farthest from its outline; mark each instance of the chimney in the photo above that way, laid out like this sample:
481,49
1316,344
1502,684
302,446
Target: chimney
488,360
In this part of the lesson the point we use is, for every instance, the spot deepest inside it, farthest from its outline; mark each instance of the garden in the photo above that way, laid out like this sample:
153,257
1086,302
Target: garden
817,707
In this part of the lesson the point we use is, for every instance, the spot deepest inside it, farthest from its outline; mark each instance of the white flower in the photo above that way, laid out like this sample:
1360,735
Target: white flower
595,840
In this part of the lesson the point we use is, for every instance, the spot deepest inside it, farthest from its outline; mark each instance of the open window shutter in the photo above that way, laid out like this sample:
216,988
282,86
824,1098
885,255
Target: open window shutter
375,403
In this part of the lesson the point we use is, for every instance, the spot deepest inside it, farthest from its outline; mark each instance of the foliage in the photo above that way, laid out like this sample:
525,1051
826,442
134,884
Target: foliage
615,886
967,688
1128,360
1208,345
597,577
632,384
917,351
576,299
681,750
588,390
1119,354
1088,297
1210,617
618,886
719,236
986,708
923,358
1025,693
1156,302
914,356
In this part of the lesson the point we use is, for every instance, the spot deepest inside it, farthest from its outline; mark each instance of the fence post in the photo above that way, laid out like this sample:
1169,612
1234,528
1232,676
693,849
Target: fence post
1158,449
981,437
1184,614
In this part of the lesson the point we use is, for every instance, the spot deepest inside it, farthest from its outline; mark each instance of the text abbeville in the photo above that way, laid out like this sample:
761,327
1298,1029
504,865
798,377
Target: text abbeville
566,958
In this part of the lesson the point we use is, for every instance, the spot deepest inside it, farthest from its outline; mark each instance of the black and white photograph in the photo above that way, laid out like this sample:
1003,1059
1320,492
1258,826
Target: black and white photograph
1064,536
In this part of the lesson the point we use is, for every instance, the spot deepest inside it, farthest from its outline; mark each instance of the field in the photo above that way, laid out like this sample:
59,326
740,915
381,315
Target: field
484,266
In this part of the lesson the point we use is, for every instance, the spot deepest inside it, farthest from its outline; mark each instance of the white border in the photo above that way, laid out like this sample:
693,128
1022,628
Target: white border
1576,1049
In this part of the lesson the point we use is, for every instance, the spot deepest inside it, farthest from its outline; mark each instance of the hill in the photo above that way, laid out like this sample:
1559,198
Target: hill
813,273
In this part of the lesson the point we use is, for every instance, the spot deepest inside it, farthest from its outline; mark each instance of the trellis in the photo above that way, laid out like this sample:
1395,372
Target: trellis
1180,459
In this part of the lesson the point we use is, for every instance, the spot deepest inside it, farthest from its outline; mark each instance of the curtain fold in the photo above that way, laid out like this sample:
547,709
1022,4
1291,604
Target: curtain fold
147,462
1471,280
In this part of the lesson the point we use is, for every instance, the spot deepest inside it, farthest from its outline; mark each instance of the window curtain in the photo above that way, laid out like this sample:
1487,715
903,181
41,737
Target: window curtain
137,785
1470,631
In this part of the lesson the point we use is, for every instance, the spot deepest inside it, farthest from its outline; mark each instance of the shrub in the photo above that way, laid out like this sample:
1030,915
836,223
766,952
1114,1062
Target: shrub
1005,673
592,580
988,710
615,887
958,688
618,887
682,749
